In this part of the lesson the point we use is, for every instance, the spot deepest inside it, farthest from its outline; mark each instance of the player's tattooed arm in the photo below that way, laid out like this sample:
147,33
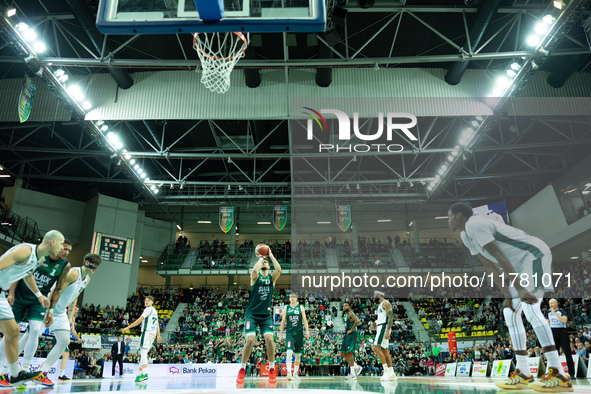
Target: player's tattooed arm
390,314
353,317
57,292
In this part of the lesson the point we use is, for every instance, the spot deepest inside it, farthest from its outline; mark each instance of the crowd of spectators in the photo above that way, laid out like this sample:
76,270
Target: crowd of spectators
110,320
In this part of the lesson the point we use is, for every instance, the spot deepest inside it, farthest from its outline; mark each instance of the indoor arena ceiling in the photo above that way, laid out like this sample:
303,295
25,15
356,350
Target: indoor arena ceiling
205,161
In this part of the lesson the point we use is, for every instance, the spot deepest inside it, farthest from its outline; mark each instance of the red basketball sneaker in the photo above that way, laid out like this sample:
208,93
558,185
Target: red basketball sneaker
241,374
272,377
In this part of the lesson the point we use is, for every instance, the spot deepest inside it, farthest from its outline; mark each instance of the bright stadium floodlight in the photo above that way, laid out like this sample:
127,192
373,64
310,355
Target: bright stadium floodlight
503,82
533,40
132,161
29,35
86,105
541,28
21,27
11,12
39,47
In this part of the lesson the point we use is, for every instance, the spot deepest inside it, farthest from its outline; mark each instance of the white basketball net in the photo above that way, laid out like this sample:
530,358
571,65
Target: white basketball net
219,53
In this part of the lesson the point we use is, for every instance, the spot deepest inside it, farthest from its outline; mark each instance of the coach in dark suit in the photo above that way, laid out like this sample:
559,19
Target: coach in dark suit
117,351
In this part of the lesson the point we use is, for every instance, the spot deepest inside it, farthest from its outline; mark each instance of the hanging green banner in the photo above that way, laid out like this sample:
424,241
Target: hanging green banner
279,216
226,218
344,216
25,100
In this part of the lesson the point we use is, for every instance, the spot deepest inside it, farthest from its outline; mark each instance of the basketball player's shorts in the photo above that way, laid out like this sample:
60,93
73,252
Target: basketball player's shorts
264,322
5,309
535,275
32,308
60,322
147,339
380,338
350,343
294,341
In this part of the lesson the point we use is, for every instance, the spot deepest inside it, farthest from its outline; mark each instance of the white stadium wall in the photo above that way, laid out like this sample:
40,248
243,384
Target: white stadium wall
50,212
540,216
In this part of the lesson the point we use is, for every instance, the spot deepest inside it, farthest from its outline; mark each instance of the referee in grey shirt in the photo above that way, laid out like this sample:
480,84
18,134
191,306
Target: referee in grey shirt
557,320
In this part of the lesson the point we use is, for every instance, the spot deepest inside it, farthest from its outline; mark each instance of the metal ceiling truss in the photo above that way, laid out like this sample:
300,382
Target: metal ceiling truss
514,21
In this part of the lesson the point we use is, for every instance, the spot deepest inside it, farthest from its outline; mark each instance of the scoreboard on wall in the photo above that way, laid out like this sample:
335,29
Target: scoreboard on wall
113,248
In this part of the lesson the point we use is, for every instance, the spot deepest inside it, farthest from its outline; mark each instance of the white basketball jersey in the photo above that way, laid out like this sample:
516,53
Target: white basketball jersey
514,243
381,314
70,293
150,323
17,271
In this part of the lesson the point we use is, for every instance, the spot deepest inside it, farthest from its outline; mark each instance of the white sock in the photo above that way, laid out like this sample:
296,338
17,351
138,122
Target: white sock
355,364
288,361
15,368
244,365
554,361
522,364
62,372
296,369
272,364
391,369
385,366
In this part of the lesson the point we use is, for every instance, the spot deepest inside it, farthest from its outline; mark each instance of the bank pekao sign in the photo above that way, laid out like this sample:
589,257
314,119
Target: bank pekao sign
176,370
393,126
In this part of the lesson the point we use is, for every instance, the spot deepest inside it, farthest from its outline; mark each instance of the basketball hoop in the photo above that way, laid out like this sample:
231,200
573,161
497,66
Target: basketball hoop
219,53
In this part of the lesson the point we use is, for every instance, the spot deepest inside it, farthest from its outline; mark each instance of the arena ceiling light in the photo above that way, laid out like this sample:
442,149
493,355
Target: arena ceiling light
204,221
322,222
263,222
384,220
440,217
11,12
179,227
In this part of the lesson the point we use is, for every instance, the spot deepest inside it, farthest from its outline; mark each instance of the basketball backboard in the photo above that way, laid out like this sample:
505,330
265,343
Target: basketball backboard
182,16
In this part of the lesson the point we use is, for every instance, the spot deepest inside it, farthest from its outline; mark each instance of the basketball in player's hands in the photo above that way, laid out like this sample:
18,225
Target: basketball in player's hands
262,250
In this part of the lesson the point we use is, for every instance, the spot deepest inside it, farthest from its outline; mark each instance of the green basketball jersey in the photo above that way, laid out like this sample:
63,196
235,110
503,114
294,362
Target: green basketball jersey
293,319
349,324
46,274
260,296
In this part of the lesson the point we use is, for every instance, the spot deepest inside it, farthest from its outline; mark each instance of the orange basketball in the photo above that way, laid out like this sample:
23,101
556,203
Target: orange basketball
262,250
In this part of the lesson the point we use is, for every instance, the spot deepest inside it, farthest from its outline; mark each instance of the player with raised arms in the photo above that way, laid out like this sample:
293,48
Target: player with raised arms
258,311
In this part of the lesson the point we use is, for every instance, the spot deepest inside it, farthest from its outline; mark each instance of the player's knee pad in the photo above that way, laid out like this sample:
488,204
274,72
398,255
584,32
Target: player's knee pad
36,328
143,356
